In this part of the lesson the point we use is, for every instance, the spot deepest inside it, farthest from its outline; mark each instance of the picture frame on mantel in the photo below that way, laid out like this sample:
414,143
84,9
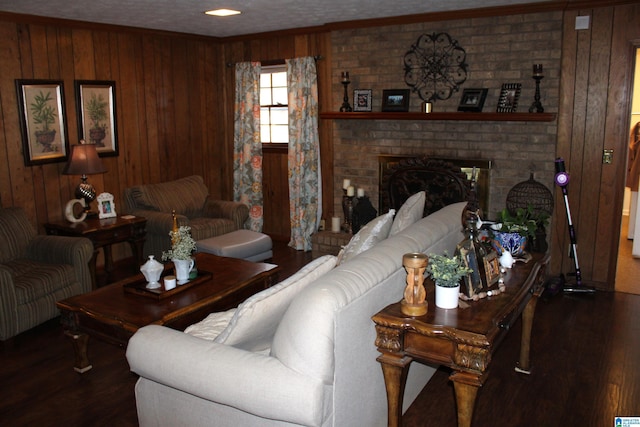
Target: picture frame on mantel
96,104
395,100
362,100
472,100
509,96
42,121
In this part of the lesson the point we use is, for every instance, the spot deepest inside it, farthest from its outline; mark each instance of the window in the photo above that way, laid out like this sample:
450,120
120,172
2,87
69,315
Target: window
274,112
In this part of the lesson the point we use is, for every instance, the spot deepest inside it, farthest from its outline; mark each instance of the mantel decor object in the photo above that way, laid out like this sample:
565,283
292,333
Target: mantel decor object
435,67
414,302
362,100
536,107
509,95
345,108
395,100
472,100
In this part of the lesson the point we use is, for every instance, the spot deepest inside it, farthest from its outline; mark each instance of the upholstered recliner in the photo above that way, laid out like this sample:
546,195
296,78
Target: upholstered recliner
190,199
36,271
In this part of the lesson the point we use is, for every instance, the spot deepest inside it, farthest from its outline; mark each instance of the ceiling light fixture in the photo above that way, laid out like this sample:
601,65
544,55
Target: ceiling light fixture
223,12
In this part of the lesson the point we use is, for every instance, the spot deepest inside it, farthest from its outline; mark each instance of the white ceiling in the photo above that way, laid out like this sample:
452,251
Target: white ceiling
186,16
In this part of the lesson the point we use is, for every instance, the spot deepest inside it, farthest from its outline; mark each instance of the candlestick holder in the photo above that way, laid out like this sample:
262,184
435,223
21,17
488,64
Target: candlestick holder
346,108
537,106
347,209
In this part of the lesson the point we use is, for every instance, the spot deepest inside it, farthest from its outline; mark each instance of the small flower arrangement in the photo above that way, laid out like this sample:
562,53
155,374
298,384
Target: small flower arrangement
183,244
447,271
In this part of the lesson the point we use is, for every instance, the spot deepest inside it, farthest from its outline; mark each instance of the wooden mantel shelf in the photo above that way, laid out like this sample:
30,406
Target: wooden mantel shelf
487,117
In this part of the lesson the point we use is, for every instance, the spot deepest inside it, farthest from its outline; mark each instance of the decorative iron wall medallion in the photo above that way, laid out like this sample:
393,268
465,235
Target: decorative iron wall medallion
435,66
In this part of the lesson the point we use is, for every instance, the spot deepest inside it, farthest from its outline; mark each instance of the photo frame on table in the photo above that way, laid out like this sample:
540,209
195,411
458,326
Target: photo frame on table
96,104
362,100
472,283
395,100
509,96
106,206
42,121
491,268
472,100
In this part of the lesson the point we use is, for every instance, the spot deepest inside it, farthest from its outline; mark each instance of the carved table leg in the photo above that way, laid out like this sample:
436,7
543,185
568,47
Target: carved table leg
80,342
395,370
524,365
466,387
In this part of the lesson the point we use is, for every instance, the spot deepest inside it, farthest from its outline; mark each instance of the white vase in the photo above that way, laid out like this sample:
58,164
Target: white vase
183,268
447,297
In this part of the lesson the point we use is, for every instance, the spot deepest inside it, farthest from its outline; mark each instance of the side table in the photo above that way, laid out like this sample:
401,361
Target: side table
328,243
463,339
103,233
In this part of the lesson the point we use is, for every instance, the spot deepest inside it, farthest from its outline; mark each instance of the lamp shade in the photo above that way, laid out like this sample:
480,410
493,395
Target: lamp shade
84,160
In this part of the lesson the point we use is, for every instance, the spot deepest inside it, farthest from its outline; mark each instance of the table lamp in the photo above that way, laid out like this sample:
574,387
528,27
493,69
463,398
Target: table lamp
84,161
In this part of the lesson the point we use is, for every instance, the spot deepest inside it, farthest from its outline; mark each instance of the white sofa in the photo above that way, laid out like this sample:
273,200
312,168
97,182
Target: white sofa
319,369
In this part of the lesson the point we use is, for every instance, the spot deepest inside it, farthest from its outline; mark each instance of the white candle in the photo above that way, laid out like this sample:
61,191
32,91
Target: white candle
346,183
360,192
335,224
169,283
351,191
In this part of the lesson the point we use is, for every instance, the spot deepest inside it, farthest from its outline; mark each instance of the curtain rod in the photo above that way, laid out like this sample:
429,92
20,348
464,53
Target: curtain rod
273,61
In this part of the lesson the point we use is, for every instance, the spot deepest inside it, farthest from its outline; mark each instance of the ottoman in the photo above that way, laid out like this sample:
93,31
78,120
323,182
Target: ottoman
244,244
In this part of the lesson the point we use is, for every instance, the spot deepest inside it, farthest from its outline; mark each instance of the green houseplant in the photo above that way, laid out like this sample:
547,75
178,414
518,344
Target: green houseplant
515,229
446,271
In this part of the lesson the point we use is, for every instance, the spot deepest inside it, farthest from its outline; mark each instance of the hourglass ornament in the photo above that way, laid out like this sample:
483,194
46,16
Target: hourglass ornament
414,302
536,107
345,101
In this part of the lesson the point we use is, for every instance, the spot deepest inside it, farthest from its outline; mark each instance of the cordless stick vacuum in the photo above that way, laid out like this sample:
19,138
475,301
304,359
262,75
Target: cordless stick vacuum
562,180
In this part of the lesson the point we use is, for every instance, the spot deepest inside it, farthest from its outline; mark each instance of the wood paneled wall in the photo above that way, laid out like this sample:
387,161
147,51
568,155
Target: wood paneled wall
168,103
597,68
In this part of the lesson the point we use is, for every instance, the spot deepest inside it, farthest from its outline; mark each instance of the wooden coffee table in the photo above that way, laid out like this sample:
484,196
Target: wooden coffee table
115,312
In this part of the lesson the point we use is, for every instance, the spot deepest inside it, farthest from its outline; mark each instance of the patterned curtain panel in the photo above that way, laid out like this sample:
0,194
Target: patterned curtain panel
304,152
247,148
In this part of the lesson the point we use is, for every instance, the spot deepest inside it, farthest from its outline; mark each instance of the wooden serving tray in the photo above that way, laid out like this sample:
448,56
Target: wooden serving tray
139,287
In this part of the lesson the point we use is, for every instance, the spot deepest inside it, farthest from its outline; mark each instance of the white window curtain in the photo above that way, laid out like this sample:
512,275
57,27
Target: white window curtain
305,190
247,148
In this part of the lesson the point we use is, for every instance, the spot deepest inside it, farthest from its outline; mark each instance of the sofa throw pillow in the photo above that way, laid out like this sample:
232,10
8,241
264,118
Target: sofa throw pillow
255,321
211,326
375,231
410,212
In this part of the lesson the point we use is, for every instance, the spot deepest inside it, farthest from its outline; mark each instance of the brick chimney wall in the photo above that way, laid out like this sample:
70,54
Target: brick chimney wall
498,50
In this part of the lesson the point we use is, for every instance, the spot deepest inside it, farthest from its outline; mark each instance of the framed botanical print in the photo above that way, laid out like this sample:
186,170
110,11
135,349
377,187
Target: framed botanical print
96,103
42,121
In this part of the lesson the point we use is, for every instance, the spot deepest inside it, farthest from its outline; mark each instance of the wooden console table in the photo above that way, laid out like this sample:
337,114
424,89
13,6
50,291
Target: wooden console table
463,339
103,233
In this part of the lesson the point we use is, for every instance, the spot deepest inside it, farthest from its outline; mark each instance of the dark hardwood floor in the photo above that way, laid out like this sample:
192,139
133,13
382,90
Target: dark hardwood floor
585,356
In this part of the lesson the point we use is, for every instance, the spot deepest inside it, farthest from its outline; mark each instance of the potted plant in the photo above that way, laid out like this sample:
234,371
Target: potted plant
97,112
514,229
44,115
446,271
182,247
